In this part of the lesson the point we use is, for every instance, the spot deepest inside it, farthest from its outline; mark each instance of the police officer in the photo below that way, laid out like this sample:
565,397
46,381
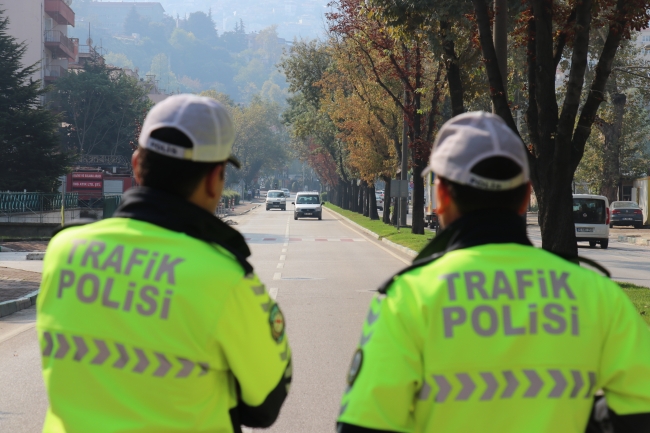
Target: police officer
153,321
484,332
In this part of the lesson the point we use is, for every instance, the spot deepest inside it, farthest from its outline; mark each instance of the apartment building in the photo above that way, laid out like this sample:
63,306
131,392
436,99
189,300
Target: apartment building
43,26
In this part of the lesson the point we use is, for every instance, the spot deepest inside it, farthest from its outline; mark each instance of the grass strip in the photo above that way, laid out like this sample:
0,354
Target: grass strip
640,297
404,237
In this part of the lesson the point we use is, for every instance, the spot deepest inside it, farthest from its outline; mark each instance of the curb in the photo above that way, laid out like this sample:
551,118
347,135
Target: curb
634,240
409,252
10,307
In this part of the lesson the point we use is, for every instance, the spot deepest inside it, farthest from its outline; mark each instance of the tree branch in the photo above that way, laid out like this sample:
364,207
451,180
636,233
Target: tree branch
576,79
497,91
596,93
561,40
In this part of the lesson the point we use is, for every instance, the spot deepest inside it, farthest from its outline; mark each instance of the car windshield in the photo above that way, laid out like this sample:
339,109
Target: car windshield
589,211
308,199
275,194
624,204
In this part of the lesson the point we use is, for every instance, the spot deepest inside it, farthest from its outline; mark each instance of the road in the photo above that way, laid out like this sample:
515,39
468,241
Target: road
322,273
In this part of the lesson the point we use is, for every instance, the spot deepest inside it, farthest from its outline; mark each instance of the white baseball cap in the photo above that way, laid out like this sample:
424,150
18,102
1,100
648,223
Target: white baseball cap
206,123
470,138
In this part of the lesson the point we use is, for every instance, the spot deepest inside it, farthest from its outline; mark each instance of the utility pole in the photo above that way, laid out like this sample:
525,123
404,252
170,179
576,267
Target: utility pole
500,38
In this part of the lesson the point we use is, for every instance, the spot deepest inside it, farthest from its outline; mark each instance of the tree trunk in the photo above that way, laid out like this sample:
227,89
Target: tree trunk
373,214
352,198
612,149
360,198
393,218
456,90
364,198
386,213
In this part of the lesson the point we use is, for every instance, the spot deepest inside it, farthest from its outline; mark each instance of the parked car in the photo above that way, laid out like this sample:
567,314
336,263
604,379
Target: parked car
591,219
626,213
380,201
276,199
307,204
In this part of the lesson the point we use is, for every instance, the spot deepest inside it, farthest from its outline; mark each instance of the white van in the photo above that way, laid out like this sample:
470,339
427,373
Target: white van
591,218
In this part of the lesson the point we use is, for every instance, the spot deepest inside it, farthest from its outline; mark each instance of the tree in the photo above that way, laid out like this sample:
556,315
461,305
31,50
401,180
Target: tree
163,74
30,153
410,62
102,109
202,26
118,59
557,126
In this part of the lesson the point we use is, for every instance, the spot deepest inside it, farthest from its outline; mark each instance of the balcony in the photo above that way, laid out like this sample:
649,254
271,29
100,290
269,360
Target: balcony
54,72
59,44
60,11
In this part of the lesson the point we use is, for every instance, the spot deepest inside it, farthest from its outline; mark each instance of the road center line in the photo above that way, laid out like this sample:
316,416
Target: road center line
283,257
277,276
280,265
273,292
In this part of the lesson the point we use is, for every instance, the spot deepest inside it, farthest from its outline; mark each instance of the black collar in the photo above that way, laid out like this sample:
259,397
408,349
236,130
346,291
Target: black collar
176,214
471,230
478,228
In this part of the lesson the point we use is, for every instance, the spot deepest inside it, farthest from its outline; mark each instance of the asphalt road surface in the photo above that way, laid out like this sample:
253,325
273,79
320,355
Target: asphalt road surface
322,273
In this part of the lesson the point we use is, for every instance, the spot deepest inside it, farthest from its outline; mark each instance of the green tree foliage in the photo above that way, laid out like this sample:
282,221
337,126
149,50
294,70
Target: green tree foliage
202,26
163,74
241,64
118,59
102,110
30,151
261,140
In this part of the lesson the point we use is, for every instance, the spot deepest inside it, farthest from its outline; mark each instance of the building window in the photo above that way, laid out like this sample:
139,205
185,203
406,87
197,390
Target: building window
646,38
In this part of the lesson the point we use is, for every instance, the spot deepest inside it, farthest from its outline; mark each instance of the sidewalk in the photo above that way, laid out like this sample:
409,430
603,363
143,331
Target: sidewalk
18,289
242,208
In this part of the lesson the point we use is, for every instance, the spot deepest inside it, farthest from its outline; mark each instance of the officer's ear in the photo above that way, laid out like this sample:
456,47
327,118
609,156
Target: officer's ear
135,163
523,208
214,180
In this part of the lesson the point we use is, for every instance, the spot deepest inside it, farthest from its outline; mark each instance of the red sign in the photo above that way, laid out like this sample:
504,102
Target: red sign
78,184
86,175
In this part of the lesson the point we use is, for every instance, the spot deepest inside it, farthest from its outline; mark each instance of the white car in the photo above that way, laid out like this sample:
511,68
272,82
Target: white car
591,218
287,193
307,204
275,198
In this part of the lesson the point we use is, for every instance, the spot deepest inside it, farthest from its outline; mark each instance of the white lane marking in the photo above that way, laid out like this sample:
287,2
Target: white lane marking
378,246
277,276
19,330
246,430
273,292
283,257
284,250
286,244
280,265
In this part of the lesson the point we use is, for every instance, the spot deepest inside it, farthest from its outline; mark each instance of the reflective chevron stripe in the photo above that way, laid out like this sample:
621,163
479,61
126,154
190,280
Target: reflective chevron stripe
527,383
120,355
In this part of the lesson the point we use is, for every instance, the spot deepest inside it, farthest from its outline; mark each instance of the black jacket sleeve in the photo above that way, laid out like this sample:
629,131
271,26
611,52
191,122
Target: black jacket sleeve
349,428
264,415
